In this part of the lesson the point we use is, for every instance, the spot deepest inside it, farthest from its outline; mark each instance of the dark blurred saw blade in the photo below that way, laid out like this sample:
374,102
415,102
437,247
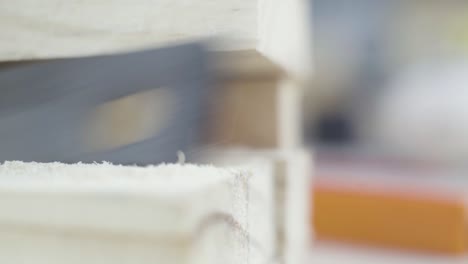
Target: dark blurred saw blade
133,108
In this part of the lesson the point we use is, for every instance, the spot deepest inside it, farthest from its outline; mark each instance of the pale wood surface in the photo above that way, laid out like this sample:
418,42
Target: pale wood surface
248,114
100,214
291,177
66,28
285,34
246,65
258,105
63,28
258,113
261,192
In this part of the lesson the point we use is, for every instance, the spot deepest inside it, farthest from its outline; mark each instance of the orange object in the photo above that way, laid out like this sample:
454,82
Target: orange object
414,218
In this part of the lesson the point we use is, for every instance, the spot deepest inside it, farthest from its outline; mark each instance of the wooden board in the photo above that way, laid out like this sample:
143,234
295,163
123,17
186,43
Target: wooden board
106,214
67,28
261,114
291,172
61,28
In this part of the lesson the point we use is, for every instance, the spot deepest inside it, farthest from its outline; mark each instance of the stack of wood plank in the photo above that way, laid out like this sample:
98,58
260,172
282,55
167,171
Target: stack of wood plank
255,213
258,120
